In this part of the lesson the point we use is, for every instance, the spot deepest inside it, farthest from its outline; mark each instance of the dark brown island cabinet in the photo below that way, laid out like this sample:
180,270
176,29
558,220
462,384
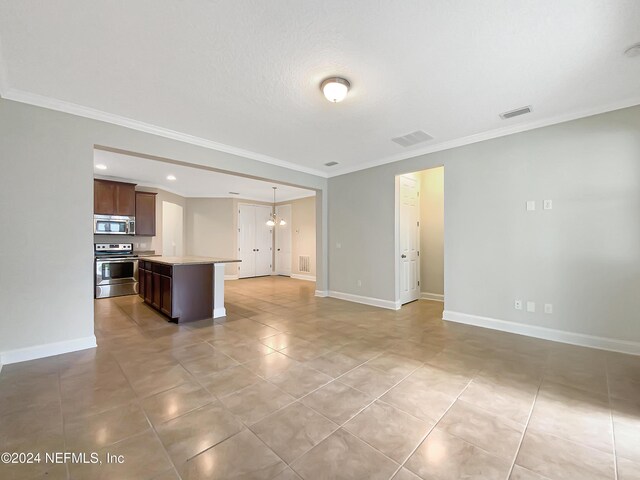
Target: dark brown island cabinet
183,288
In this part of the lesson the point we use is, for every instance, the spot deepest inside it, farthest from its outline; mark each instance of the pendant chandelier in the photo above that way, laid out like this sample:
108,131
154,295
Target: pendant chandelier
273,218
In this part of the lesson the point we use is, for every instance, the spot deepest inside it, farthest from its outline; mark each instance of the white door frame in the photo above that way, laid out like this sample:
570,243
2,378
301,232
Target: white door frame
277,237
396,249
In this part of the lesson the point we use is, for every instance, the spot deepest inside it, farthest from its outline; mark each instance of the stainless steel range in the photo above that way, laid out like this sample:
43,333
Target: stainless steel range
116,270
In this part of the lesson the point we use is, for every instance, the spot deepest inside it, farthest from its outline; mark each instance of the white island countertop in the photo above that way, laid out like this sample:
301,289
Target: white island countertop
189,260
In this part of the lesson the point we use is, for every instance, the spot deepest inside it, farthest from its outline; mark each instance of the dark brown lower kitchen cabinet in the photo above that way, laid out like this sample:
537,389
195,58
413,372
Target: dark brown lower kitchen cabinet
157,294
181,292
142,280
165,295
148,287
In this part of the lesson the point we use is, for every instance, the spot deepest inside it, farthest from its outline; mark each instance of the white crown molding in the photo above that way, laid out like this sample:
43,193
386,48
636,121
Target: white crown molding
87,112
374,302
488,135
47,350
436,297
308,278
584,340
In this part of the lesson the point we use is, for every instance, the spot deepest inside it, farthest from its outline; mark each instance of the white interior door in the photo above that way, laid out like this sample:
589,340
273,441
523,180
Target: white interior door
246,241
263,241
172,230
409,223
283,241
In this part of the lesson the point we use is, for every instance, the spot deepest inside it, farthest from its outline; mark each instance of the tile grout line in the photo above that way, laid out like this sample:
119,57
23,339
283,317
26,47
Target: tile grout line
153,428
613,425
402,465
64,430
524,431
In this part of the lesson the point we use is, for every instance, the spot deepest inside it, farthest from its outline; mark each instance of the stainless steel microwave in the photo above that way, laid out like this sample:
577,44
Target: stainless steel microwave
114,225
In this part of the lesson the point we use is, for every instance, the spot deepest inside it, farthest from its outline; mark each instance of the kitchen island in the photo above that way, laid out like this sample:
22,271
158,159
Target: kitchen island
184,288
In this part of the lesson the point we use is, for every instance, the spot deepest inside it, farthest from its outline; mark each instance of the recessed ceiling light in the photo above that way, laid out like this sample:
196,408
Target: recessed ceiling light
234,193
330,164
171,177
335,88
101,166
633,50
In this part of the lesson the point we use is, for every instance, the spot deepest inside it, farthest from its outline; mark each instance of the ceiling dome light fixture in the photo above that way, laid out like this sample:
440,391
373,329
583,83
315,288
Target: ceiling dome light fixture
101,166
273,218
335,88
171,177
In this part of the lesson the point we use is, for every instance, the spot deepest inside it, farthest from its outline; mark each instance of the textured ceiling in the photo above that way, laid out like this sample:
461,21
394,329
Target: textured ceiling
246,73
190,181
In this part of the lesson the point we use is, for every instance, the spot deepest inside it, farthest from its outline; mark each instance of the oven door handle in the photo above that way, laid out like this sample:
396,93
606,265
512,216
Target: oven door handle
123,260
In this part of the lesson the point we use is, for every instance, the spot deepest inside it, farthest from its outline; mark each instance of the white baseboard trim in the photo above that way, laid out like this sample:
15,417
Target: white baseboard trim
322,293
219,312
436,297
46,350
231,277
581,339
375,302
299,276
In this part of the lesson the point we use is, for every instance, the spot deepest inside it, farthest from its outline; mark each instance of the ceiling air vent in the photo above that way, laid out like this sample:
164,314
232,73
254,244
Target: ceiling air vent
330,164
234,193
516,112
412,138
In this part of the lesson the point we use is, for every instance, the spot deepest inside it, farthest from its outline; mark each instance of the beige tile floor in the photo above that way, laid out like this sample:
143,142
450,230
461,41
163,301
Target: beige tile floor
291,386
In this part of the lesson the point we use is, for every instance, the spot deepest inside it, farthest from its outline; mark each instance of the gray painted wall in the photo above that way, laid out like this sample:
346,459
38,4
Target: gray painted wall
46,203
583,256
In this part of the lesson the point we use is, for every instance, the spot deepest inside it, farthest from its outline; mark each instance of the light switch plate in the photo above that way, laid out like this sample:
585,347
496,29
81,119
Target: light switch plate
517,304
548,204
531,307
548,308
531,205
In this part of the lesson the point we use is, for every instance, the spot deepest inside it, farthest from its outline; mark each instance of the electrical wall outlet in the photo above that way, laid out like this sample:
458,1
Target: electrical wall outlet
548,204
531,307
548,308
359,283
517,304
531,205
338,245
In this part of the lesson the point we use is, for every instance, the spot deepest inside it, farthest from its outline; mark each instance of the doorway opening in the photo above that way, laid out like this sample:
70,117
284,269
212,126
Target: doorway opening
419,245
286,248
193,210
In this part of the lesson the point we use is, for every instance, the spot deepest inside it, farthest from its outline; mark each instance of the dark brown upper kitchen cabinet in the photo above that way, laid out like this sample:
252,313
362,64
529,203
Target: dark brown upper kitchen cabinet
146,213
114,198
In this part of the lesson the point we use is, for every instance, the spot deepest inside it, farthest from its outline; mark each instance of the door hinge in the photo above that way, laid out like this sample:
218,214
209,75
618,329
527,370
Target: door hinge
418,282
418,224
418,253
